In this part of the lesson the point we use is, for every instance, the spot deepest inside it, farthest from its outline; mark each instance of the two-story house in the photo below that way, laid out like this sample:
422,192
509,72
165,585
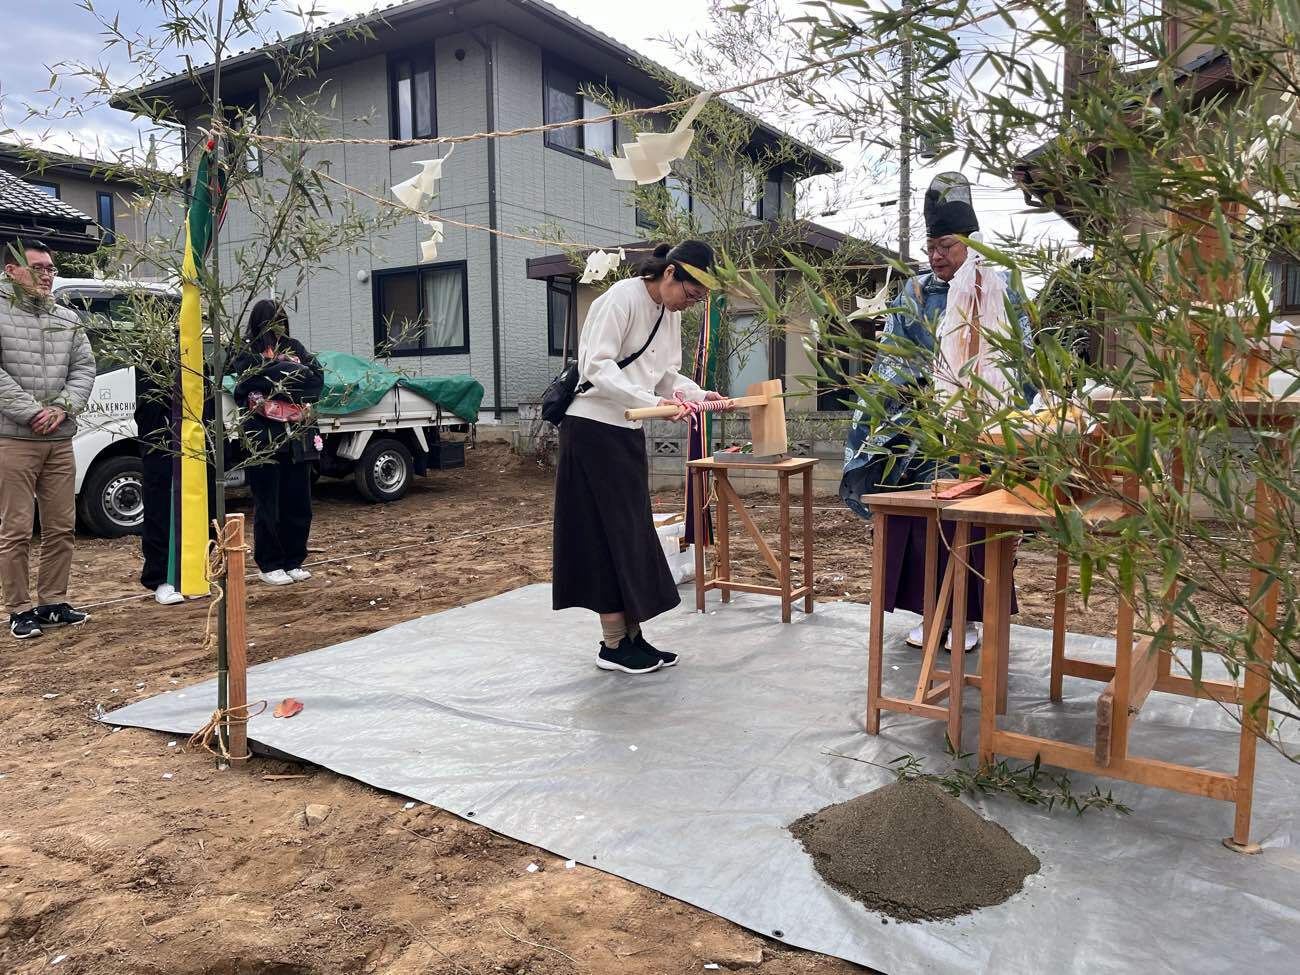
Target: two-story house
449,67
124,203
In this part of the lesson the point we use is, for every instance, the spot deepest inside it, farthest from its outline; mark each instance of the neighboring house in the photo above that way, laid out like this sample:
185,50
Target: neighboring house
764,353
122,204
1204,74
28,213
449,67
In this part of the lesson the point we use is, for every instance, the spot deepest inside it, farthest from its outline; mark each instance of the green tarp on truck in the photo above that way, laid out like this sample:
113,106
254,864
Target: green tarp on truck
353,384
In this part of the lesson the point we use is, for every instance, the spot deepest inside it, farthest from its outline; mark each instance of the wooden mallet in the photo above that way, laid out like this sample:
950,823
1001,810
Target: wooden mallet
766,416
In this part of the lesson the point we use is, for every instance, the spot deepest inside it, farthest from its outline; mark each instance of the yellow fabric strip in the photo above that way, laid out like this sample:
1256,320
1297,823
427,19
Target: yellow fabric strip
193,444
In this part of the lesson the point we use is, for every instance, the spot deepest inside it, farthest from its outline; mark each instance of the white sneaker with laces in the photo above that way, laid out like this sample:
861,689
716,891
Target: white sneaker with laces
972,637
277,578
166,595
916,636
299,574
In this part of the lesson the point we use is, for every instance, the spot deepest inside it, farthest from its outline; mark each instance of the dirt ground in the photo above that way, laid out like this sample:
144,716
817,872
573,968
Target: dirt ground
122,854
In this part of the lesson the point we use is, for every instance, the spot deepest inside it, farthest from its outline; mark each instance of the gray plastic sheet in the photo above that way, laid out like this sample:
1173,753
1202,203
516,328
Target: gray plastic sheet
684,781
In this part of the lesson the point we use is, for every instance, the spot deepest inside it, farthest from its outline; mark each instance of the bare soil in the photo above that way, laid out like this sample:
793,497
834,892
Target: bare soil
125,855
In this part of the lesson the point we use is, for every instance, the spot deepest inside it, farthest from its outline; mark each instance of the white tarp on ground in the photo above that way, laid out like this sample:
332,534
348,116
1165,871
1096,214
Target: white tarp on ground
495,712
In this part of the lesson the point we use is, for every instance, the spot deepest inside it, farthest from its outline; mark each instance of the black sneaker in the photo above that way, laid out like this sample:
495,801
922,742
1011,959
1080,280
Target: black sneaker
627,657
24,626
665,657
60,614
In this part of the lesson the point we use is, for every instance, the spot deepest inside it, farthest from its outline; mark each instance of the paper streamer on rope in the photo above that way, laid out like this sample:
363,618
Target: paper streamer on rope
700,430
412,192
429,248
649,159
600,264
189,559
876,305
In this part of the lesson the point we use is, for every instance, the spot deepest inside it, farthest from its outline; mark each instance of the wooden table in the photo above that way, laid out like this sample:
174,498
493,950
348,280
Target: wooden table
699,471
1135,673
934,697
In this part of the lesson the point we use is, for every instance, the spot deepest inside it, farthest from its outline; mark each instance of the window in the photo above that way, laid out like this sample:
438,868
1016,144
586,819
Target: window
1286,285
561,318
751,200
422,311
679,198
105,218
412,105
772,203
49,189
748,362
565,103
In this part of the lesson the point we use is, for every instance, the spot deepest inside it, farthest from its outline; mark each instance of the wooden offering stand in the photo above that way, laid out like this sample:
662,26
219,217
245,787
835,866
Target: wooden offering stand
767,433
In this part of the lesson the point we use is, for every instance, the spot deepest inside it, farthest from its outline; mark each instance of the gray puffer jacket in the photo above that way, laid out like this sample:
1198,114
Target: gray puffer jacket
45,360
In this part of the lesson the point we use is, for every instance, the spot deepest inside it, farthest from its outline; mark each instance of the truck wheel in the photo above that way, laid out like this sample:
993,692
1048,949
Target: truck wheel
384,471
111,502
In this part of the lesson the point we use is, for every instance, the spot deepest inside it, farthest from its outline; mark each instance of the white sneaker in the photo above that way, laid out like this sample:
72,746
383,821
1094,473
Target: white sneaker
916,636
972,637
277,578
166,595
299,574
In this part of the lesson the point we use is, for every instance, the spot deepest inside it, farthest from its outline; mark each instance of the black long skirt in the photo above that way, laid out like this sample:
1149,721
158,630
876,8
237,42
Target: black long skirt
606,555
905,568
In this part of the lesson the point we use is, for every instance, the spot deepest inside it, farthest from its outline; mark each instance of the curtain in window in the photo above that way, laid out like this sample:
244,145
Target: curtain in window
401,311
561,106
598,138
444,308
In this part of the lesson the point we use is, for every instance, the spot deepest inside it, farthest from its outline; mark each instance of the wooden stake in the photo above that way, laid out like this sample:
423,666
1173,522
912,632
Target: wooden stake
236,639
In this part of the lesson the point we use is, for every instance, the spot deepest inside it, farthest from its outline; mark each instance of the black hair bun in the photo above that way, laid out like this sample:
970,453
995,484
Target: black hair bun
662,250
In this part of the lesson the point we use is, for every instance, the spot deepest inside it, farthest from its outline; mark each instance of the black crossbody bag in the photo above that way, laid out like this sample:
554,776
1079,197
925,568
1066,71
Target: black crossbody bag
564,387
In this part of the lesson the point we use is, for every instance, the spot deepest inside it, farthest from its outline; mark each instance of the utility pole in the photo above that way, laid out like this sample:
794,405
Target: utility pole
905,142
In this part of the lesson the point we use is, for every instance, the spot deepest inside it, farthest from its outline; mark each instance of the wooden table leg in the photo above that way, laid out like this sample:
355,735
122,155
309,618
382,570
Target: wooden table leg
1058,624
959,560
989,670
957,663
1164,665
1008,553
697,477
928,617
1260,629
786,583
722,556
808,539
876,641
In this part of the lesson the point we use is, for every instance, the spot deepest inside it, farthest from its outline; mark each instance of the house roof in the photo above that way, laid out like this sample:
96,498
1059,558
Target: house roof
1205,75
400,25
811,235
27,213
37,163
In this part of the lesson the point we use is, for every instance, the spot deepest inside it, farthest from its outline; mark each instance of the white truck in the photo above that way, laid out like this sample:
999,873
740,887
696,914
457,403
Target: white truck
383,448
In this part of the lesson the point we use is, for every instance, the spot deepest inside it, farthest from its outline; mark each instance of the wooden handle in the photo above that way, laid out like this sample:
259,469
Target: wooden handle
653,412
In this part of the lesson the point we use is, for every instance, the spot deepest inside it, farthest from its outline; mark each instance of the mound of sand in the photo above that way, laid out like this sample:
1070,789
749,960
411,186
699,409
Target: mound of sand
913,852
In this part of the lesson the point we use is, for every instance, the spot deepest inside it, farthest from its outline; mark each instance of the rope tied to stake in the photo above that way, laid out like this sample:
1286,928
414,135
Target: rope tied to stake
220,718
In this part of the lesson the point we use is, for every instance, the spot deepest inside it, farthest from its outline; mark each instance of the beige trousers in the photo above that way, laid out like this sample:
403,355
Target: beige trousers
36,473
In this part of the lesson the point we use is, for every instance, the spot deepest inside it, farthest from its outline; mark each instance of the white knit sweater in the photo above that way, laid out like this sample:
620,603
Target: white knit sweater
617,325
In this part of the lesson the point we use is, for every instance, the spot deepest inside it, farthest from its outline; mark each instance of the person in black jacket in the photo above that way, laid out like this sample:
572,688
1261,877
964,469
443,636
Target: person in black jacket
276,382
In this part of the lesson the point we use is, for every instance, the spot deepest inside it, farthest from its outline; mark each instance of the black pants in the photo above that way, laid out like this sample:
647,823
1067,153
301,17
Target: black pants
281,514
155,534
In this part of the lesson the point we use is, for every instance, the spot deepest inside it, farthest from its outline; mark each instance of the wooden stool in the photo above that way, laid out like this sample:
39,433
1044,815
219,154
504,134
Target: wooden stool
934,697
728,498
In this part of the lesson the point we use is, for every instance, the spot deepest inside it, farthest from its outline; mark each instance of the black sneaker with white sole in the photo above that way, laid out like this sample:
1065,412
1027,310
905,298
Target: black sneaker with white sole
60,614
667,658
627,657
24,626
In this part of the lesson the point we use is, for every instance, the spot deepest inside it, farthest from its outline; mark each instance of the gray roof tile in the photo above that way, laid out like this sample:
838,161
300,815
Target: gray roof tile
23,199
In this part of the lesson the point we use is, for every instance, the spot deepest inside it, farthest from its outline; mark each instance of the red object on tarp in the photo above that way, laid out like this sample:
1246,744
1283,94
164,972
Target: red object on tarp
287,708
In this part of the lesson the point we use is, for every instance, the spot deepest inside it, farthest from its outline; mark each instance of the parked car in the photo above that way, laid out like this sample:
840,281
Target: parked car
382,447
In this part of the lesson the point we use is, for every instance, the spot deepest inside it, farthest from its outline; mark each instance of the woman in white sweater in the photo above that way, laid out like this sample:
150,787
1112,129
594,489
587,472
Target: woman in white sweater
607,556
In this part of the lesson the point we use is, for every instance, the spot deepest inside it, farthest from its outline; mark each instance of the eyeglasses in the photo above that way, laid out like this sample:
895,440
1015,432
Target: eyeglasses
695,294
45,270
938,248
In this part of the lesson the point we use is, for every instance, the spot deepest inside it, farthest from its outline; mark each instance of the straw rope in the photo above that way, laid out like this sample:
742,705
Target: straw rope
204,737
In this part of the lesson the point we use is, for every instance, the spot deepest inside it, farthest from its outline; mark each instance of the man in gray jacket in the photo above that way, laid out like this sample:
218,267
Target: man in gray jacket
47,370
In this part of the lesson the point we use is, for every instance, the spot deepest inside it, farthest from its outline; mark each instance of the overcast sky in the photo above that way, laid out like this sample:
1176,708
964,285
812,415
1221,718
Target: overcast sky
34,40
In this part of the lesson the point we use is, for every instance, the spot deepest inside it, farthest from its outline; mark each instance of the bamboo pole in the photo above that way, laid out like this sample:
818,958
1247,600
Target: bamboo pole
218,368
237,639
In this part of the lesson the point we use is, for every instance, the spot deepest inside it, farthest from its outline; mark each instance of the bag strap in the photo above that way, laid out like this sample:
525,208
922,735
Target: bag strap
624,363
